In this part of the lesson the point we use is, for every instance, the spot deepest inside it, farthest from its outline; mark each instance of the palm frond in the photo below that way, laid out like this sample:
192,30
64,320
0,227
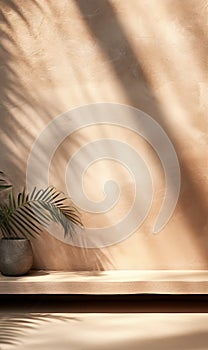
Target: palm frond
26,213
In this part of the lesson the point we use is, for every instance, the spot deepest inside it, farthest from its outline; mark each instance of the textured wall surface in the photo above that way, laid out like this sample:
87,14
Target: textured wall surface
149,54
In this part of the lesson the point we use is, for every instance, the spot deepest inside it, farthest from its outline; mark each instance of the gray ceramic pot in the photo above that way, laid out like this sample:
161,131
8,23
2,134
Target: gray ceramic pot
16,256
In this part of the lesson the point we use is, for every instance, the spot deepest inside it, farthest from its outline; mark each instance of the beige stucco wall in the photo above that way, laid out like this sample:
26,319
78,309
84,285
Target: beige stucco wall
150,54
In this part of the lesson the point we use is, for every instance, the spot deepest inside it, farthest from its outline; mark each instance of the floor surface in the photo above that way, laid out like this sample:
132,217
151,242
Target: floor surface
99,331
136,322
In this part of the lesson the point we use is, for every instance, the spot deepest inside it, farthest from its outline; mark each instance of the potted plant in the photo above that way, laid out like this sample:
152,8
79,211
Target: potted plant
22,216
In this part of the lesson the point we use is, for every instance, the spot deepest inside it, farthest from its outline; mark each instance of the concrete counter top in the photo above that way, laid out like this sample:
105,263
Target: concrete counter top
107,282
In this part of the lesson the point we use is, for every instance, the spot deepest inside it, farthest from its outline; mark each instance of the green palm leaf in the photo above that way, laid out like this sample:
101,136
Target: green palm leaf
25,214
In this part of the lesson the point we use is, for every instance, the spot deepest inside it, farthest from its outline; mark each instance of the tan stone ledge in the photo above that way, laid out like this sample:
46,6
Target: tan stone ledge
107,282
